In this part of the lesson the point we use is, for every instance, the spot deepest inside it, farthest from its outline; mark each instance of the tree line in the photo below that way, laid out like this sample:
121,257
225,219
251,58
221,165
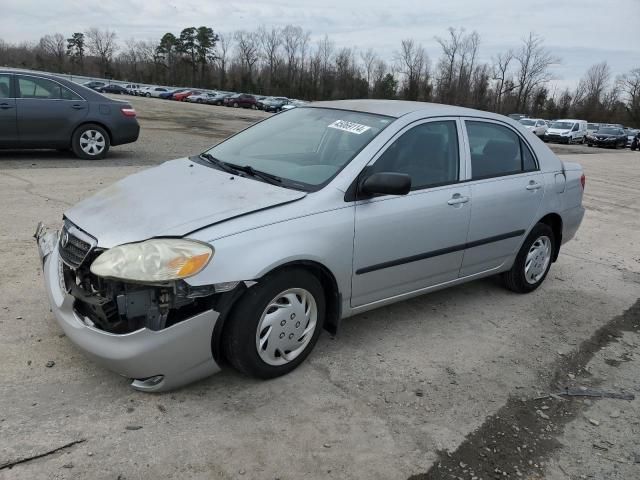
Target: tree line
286,61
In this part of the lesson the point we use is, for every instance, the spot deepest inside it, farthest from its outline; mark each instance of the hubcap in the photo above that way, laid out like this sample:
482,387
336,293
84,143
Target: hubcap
537,260
92,142
286,326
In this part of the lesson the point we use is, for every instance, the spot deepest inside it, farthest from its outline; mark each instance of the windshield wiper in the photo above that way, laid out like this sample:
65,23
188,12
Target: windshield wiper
268,177
219,163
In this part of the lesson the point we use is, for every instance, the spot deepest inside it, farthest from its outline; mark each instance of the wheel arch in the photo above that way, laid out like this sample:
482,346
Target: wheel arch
554,221
333,299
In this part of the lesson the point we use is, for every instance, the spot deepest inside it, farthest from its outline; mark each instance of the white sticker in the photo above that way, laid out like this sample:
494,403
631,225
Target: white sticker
349,127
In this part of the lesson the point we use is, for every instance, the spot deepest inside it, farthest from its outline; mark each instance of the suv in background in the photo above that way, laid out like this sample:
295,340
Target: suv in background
566,131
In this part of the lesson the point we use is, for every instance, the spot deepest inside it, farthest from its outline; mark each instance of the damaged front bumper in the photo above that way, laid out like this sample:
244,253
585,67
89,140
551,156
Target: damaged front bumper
155,360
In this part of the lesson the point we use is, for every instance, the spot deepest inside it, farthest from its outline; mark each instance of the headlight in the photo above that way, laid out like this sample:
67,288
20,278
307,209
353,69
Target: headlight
158,260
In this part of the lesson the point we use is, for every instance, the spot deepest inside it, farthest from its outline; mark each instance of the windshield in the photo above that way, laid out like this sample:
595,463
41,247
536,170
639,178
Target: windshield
592,126
527,122
562,125
609,131
306,147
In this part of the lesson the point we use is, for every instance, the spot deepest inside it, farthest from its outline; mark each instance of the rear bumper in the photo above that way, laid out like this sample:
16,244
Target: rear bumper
127,132
155,360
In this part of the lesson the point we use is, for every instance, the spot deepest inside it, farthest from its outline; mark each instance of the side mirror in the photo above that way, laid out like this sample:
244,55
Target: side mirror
386,183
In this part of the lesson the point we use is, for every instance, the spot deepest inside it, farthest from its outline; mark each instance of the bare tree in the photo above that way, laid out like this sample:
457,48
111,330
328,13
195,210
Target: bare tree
292,39
368,60
270,43
500,74
411,60
247,45
222,56
102,43
533,61
446,65
54,46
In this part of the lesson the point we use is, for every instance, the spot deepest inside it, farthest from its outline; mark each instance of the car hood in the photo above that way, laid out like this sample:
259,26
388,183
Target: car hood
172,200
605,135
558,131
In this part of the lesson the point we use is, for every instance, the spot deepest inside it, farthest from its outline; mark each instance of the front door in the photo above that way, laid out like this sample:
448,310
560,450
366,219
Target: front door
507,189
8,127
407,243
47,111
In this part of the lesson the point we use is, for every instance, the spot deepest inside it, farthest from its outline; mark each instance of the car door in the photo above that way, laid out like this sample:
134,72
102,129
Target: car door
8,119
47,111
507,189
406,243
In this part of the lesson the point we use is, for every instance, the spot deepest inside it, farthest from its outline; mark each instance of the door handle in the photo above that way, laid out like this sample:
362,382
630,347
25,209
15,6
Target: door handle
458,199
534,186
77,107
5,106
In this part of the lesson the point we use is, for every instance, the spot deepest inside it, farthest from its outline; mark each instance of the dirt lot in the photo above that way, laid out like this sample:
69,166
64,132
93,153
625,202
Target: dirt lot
454,384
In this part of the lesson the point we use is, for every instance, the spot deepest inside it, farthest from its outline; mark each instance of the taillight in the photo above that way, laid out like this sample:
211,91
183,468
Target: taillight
583,180
128,112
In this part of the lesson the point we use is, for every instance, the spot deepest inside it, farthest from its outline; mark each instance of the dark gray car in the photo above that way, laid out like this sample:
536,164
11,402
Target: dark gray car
44,111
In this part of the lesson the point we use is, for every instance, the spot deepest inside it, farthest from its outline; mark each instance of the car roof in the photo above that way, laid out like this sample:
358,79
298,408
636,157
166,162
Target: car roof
398,108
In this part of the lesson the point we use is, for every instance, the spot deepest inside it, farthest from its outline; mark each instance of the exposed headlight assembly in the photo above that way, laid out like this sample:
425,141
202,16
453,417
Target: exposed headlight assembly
156,260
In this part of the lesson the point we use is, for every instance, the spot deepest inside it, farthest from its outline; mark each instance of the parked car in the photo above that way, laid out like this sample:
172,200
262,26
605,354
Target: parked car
592,128
44,111
168,95
608,137
204,97
182,96
260,99
155,91
274,104
517,116
113,88
132,88
94,85
219,98
293,104
566,131
537,125
243,100
244,253
635,142
631,134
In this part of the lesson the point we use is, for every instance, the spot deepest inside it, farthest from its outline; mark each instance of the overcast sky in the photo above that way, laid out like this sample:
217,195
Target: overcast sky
581,32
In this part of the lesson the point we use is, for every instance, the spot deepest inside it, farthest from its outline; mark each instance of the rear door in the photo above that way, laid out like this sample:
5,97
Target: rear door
47,111
507,189
8,125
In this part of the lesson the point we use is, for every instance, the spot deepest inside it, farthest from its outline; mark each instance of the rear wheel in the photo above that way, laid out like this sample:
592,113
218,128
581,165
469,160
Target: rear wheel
90,142
275,324
147,95
235,104
532,262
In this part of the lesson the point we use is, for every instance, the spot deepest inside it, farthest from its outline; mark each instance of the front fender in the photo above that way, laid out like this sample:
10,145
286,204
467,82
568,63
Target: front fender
325,238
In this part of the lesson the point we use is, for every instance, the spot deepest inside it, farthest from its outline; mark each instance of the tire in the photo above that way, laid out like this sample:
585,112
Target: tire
235,105
90,138
245,347
517,279
147,95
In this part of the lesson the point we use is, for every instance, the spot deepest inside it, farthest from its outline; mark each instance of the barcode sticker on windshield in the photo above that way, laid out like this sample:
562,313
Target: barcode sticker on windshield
349,127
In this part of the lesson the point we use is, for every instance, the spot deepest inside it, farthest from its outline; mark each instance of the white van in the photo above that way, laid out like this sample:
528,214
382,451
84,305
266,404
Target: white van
566,131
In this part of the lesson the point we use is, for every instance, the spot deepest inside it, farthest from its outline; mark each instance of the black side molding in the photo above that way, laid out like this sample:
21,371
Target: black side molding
442,251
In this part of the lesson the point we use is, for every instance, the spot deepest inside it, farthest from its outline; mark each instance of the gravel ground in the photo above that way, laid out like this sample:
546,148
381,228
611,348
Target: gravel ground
454,384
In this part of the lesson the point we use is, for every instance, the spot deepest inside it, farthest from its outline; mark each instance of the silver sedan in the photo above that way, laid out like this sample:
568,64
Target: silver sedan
246,252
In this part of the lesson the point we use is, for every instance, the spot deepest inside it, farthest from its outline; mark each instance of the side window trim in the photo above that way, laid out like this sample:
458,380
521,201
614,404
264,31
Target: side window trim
12,88
467,147
17,93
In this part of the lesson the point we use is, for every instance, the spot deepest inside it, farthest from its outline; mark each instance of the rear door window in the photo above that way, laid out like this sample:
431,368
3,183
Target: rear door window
497,150
40,88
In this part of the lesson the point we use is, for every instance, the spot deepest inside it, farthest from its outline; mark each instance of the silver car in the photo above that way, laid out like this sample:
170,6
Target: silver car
246,252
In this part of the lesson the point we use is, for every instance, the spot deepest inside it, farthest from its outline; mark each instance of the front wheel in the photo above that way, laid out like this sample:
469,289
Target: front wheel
276,324
90,142
533,261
